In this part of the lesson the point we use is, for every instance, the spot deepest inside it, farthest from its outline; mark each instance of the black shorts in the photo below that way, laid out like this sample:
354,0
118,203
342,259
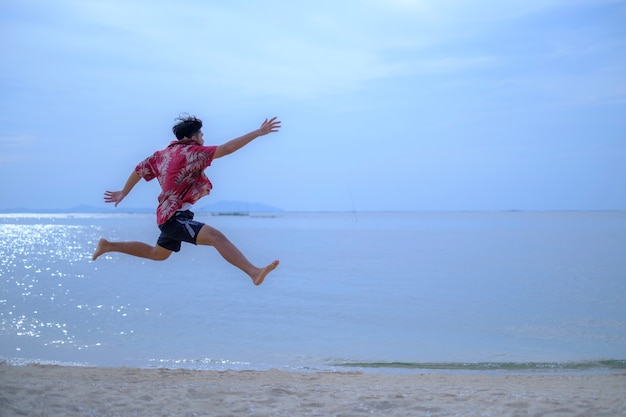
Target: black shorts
181,227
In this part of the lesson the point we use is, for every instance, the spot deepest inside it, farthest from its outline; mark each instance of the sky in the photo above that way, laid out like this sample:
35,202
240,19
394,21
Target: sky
385,104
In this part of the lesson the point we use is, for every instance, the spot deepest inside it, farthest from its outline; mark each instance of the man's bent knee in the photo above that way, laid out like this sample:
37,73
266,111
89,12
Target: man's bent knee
209,235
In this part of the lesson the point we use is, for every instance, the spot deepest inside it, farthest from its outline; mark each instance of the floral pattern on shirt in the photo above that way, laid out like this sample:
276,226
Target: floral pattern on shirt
179,168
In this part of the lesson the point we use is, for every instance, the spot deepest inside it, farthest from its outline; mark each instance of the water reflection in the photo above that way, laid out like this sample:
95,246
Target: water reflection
41,285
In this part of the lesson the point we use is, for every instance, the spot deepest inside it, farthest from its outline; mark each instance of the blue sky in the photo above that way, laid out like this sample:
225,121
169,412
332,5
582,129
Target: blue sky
385,104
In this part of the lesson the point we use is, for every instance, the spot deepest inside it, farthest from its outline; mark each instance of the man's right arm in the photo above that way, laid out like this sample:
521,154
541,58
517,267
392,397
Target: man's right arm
117,196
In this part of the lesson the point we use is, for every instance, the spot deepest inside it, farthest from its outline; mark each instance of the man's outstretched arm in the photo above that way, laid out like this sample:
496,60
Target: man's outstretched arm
268,126
117,196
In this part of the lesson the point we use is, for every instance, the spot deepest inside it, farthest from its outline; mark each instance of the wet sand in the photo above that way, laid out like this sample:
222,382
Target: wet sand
42,390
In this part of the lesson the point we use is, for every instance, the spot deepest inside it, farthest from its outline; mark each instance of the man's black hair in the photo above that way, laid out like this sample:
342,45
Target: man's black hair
187,126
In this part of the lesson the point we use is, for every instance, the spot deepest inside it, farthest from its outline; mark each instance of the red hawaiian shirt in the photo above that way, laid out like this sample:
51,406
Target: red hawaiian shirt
179,168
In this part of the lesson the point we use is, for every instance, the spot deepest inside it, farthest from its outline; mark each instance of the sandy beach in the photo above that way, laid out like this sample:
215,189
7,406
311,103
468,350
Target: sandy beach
37,390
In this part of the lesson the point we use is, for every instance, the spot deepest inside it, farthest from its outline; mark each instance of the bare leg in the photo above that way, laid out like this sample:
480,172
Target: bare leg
139,249
213,237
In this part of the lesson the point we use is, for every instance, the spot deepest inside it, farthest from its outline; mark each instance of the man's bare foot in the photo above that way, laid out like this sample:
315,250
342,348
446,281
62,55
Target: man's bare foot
100,249
258,279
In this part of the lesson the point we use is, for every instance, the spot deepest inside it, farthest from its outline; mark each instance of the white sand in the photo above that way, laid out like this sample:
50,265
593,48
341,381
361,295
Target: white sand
50,391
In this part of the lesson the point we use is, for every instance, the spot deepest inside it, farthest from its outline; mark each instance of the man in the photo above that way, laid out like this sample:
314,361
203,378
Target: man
179,168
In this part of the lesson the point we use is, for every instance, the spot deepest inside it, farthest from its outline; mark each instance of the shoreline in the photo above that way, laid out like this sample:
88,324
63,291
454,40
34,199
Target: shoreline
582,368
54,390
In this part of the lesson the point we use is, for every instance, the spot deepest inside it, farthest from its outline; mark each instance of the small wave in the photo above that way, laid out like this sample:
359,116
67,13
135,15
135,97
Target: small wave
205,363
43,362
609,364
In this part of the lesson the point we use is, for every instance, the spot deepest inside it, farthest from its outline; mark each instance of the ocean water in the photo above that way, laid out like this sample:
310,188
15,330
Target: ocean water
384,291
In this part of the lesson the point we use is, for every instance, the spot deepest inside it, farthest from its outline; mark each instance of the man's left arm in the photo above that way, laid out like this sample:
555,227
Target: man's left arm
268,126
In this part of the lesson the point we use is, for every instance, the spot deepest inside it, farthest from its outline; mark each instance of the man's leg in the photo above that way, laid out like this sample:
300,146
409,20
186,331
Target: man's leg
139,249
213,237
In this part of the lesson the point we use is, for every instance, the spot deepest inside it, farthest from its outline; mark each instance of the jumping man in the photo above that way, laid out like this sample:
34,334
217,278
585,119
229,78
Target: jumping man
179,168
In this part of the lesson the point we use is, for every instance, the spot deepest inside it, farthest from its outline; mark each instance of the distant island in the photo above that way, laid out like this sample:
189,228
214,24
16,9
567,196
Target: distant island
238,207
219,207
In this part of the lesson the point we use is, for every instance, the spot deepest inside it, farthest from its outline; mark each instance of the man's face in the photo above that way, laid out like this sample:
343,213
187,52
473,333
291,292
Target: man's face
199,137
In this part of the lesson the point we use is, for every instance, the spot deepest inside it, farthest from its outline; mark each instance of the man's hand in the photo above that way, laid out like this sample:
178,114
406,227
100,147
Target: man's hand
117,196
114,197
269,126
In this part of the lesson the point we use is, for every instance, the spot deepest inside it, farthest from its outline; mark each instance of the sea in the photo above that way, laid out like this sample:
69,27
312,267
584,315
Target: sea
509,291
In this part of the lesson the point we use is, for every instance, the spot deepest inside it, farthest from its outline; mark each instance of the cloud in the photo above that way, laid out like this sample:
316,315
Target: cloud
289,50
15,148
289,53
451,12
15,141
